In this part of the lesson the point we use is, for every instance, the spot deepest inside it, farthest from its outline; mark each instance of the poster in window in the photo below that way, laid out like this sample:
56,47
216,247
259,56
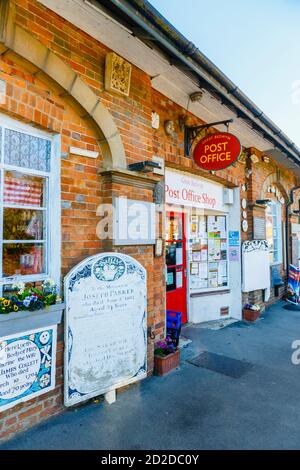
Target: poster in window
213,278
194,269
234,253
194,225
204,250
212,224
179,254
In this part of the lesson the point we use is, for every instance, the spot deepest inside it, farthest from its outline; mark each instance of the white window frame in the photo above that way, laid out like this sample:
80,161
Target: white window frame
278,228
52,204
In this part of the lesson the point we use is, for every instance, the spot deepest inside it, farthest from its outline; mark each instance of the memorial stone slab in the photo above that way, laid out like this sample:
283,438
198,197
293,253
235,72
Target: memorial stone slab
105,326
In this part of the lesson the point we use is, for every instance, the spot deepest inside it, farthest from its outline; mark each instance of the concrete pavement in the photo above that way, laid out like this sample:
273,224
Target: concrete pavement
196,408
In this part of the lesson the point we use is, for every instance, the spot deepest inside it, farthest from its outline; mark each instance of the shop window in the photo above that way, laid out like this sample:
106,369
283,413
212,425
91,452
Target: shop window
273,231
208,252
29,205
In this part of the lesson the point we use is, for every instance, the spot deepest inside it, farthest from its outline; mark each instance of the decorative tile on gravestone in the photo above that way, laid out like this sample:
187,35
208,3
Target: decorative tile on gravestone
105,326
27,366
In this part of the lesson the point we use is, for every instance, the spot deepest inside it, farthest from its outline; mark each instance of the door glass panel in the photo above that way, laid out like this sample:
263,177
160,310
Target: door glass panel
173,253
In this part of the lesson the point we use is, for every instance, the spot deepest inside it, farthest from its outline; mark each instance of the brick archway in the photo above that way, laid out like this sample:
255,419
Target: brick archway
44,62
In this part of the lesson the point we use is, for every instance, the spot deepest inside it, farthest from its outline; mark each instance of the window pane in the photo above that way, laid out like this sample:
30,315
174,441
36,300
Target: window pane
23,224
26,151
23,190
23,258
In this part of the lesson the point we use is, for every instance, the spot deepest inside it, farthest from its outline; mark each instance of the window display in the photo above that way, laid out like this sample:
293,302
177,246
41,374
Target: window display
208,253
25,165
174,251
273,231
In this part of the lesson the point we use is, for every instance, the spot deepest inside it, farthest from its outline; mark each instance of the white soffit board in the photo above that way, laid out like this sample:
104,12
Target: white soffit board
167,79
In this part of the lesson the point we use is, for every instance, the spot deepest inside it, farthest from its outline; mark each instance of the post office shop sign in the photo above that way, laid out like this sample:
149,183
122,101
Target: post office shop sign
105,326
217,151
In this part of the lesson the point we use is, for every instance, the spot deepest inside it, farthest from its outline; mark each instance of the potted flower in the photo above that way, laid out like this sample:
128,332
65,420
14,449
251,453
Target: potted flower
251,312
166,356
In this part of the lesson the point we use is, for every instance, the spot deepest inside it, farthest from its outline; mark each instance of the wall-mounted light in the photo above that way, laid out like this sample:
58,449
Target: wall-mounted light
248,172
145,167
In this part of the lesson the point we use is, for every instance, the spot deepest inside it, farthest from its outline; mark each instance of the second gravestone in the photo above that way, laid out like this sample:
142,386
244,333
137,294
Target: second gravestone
105,326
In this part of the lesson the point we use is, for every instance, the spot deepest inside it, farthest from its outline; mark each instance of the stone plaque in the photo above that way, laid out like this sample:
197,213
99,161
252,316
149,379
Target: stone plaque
27,366
105,326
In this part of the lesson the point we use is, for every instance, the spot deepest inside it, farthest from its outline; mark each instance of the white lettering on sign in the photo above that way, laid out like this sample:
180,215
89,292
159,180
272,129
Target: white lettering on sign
106,338
27,366
185,190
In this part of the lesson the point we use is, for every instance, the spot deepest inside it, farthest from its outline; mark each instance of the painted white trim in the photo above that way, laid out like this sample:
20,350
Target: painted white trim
55,213
83,152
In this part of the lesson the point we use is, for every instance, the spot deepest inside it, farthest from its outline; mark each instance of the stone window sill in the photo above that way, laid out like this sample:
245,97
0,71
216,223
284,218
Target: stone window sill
14,323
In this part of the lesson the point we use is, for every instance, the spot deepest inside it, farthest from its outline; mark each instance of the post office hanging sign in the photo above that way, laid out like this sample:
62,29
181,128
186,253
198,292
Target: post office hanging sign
217,151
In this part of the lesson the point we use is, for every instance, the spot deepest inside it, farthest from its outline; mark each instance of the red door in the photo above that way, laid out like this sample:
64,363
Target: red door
176,263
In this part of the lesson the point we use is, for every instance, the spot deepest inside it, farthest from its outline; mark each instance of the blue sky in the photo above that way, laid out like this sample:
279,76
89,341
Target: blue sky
256,43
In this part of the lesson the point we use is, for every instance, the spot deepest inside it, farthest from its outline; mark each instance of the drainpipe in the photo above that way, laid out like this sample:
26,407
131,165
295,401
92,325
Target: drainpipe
287,233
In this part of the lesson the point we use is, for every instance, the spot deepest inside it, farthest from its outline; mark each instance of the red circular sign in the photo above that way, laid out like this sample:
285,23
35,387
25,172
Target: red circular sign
217,151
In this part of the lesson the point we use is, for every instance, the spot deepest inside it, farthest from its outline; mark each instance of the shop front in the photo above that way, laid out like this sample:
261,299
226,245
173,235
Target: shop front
203,265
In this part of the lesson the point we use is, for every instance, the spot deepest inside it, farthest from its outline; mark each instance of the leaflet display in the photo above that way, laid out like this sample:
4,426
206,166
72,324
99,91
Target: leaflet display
208,252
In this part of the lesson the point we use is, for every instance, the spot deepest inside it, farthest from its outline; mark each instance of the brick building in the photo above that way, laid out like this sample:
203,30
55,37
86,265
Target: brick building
69,133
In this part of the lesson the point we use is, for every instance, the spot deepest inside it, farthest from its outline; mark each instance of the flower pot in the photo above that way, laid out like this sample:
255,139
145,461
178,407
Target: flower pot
164,364
250,315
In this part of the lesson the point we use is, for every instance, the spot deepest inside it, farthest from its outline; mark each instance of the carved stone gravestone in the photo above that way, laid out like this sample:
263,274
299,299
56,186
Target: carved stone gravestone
105,326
